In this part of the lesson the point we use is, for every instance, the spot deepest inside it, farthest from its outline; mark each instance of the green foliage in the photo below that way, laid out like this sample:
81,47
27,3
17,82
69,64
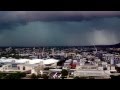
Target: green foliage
81,77
17,75
118,69
64,73
33,76
45,76
46,68
63,77
2,75
76,77
39,76
115,77
91,77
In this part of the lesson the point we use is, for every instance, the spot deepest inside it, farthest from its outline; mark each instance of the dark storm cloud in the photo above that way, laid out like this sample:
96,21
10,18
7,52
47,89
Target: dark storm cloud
34,28
9,19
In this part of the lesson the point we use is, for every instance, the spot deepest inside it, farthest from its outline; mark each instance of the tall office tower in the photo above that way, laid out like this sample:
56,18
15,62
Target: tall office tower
112,61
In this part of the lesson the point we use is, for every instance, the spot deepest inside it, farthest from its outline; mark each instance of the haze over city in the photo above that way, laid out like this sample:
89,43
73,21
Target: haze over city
59,28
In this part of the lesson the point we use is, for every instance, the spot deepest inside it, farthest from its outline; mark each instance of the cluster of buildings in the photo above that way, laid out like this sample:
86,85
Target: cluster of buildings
26,65
79,62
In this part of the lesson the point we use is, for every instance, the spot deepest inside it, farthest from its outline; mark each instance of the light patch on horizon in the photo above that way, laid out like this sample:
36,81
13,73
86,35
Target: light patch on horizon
103,37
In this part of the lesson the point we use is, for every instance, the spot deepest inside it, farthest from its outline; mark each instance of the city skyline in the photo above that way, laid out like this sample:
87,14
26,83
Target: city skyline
59,28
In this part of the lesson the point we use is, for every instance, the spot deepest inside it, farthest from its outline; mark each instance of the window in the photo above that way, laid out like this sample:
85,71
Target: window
14,65
18,68
23,67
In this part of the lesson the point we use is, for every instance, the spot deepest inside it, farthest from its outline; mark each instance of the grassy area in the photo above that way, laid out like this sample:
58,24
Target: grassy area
16,75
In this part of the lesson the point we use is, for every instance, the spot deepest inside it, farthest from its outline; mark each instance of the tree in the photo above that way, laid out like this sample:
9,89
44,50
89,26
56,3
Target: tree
2,75
33,76
17,75
118,69
39,76
47,68
115,77
23,74
91,77
45,76
76,77
64,73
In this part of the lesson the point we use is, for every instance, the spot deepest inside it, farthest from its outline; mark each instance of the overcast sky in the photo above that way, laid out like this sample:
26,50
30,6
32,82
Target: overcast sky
46,28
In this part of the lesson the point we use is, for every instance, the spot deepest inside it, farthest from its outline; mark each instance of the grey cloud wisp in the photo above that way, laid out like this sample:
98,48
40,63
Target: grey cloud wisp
46,28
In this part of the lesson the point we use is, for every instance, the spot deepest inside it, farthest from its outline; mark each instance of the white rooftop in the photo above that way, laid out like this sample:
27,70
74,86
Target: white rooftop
29,61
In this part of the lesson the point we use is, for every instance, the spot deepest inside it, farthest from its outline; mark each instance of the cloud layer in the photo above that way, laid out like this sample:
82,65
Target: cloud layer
45,28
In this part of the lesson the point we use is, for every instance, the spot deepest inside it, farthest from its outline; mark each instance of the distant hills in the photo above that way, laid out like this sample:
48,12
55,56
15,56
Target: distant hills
102,46
112,46
116,45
